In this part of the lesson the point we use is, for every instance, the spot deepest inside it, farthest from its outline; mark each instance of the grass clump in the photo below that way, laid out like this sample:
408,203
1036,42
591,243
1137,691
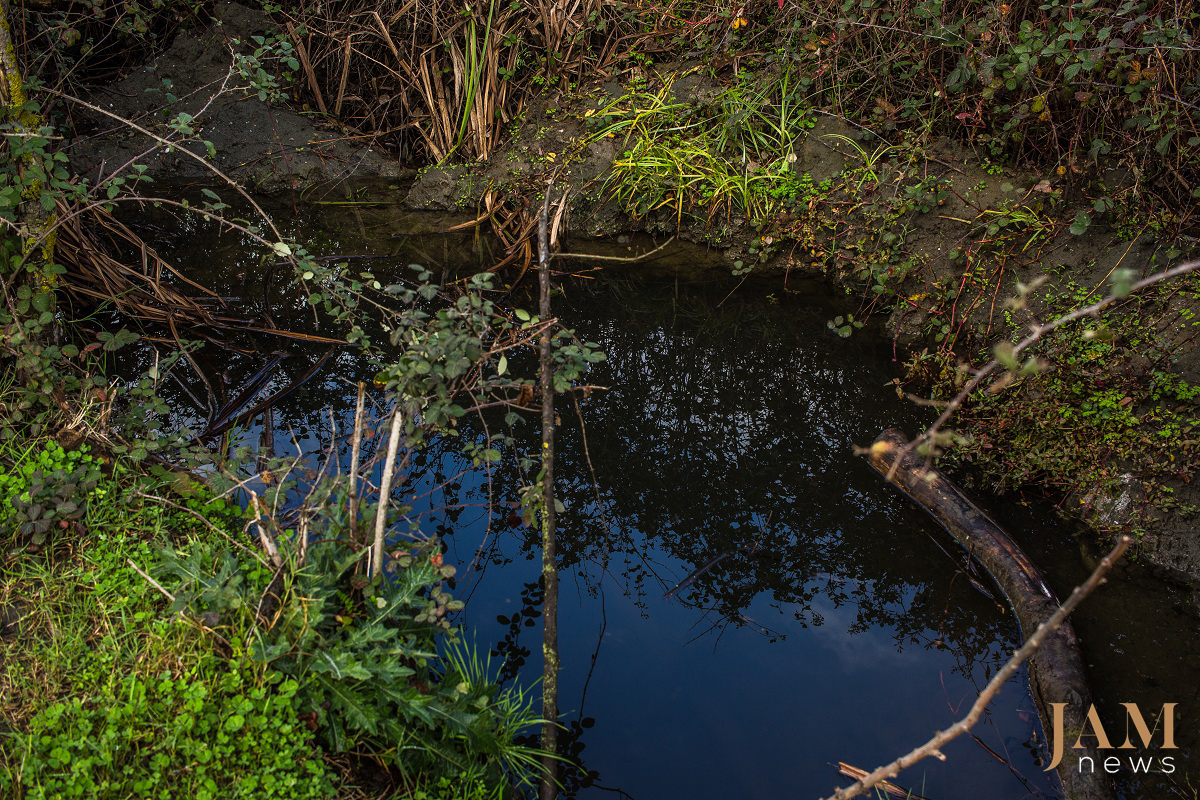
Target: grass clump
731,153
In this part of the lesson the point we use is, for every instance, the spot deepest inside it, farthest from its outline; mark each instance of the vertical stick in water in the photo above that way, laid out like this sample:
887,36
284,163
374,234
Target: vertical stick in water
355,449
549,787
385,487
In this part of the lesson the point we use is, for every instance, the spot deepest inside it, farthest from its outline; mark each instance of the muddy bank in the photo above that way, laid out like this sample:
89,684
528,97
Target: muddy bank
934,241
931,238
206,85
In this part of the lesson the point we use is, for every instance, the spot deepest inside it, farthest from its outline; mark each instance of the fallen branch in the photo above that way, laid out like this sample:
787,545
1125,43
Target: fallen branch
1057,676
934,745
620,259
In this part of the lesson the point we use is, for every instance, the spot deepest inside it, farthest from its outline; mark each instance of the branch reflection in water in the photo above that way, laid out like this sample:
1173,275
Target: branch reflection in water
810,617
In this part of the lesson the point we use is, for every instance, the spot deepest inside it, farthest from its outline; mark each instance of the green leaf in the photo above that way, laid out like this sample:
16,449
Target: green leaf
1122,281
1083,221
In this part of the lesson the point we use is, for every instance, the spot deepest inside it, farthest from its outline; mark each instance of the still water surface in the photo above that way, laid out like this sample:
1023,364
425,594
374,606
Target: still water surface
837,625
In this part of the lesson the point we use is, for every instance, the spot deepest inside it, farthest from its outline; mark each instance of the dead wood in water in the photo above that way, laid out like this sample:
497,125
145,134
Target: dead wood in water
107,262
933,747
93,244
1056,673
890,788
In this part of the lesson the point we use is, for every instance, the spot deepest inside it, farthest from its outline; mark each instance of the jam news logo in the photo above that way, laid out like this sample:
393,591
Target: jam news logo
1134,719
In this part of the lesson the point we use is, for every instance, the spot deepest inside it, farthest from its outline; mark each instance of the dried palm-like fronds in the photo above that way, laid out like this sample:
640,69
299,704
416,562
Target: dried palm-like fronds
107,262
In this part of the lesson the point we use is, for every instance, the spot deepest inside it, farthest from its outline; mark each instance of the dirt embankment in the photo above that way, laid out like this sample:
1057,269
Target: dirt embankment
927,234
1110,423
203,92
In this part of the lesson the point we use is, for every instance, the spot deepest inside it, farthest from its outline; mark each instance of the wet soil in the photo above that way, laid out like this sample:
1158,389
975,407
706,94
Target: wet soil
262,146
273,149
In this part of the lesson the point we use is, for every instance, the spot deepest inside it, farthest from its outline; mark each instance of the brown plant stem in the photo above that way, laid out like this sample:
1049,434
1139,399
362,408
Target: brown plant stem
549,785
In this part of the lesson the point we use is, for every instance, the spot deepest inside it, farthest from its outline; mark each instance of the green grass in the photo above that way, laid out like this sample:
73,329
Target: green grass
728,154
106,695
111,689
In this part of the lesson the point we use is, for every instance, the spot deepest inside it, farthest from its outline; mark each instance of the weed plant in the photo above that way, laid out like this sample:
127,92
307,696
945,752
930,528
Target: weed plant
1111,415
174,682
1073,83
729,155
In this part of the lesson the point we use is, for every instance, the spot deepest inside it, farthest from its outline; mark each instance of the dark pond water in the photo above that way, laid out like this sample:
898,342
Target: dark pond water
840,627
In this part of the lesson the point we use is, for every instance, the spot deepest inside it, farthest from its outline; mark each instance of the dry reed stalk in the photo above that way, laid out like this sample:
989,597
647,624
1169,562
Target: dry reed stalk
314,85
347,53
385,487
452,73
93,246
88,245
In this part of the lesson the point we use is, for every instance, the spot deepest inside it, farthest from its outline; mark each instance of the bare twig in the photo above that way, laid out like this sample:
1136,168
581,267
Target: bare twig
934,745
268,541
150,580
355,447
201,517
182,150
622,259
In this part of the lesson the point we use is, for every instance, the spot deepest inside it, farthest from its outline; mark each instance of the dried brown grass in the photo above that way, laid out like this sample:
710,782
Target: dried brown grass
446,78
96,250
